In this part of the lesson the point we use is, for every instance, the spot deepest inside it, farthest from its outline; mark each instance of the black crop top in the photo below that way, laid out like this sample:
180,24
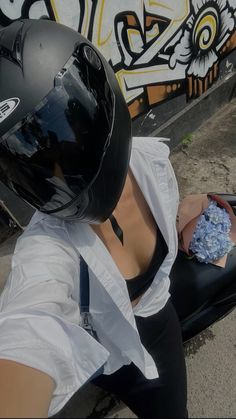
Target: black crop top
138,285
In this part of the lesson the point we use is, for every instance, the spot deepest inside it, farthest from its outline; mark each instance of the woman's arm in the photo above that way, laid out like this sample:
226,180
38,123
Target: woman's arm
24,392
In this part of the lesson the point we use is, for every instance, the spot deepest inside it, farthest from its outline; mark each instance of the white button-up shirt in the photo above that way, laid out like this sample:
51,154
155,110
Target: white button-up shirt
39,306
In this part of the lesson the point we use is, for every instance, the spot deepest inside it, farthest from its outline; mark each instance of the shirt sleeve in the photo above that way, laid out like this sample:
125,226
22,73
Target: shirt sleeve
158,145
173,190
39,316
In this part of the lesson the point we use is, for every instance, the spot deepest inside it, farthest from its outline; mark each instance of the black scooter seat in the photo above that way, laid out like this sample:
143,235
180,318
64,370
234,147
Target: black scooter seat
195,285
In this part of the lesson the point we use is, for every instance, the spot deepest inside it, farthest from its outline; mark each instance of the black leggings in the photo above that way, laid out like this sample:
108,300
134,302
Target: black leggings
163,397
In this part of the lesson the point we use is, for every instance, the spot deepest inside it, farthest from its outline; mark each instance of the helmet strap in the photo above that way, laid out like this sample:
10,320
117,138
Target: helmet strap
116,228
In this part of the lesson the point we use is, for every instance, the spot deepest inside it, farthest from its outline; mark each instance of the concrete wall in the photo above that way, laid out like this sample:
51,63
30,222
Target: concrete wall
166,54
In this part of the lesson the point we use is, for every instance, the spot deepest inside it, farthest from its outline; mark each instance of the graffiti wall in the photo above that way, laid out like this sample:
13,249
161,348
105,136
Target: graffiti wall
158,49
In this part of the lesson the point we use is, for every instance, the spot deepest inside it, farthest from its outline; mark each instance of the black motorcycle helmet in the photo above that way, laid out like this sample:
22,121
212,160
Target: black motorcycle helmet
65,130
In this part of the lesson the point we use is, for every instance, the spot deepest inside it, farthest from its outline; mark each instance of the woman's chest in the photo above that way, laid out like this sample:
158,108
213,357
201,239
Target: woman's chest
139,235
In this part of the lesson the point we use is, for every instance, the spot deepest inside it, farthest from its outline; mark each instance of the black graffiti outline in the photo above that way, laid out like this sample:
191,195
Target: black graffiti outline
25,9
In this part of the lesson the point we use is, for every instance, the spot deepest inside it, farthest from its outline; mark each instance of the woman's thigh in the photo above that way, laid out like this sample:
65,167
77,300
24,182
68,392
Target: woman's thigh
165,396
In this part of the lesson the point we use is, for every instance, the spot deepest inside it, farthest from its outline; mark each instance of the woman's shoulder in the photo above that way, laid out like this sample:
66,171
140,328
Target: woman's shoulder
155,146
43,224
44,231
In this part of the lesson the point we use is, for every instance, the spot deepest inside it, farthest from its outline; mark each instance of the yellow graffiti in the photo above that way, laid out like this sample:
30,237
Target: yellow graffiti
135,35
137,72
86,18
155,3
121,82
131,34
120,75
155,32
164,6
55,11
209,22
182,18
100,41
175,21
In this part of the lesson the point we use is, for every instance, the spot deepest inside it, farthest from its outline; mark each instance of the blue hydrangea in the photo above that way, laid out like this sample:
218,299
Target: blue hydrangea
211,239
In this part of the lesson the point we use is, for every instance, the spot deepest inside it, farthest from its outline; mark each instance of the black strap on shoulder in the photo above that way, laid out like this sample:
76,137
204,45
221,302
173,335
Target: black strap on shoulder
86,318
84,286
84,308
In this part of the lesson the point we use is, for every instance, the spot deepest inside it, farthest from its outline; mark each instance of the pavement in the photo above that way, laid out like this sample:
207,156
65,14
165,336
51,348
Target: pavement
203,161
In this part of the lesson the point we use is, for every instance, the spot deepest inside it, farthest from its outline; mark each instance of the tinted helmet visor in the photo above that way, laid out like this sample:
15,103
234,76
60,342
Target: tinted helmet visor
55,153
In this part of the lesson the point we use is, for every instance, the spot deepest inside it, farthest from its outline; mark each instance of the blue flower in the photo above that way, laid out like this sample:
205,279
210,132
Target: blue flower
211,239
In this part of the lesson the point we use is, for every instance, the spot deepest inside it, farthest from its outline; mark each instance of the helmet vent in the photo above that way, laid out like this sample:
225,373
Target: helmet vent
92,57
17,47
10,42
